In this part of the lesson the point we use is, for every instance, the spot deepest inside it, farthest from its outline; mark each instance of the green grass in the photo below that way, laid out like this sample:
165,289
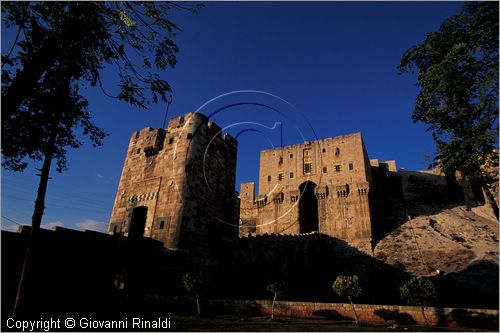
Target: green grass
282,324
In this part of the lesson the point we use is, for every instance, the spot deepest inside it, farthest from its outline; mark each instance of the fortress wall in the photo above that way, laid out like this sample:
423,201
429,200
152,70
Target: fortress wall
182,179
210,210
424,186
336,171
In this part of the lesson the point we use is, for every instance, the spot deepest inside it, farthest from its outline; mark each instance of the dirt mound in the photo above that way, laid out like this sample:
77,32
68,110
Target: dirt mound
448,239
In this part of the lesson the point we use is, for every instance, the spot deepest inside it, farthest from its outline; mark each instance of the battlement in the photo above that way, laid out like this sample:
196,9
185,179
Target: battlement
151,141
389,166
145,134
148,140
197,123
179,121
320,142
285,236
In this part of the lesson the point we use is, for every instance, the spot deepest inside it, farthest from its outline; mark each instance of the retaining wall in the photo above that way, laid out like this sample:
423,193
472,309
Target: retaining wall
374,314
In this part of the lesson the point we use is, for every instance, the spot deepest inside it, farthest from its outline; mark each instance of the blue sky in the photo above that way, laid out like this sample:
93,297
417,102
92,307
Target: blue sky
333,66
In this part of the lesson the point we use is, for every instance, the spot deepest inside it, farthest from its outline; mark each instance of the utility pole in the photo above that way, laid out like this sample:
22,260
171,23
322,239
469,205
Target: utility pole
166,113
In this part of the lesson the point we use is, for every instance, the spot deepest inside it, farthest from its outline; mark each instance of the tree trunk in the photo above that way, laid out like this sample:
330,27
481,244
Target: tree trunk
356,320
490,199
272,306
198,305
37,216
425,318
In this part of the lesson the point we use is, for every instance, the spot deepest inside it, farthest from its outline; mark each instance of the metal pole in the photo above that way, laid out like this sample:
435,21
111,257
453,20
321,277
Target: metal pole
166,113
281,134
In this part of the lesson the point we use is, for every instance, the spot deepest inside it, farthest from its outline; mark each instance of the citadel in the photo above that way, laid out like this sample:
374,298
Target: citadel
177,186
321,209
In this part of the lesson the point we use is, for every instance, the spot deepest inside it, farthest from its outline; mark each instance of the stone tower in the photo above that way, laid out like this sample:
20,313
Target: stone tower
177,186
323,186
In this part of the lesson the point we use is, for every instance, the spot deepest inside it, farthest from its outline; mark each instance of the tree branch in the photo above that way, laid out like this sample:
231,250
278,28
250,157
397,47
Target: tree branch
13,44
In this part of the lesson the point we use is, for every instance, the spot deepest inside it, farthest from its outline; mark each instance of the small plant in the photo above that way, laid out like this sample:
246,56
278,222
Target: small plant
193,285
278,288
420,292
348,286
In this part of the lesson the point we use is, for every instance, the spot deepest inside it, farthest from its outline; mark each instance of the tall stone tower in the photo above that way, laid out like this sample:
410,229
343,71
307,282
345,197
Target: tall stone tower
321,186
177,186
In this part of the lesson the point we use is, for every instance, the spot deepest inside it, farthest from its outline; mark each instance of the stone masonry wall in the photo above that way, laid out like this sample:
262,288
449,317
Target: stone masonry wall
368,313
334,173
183,179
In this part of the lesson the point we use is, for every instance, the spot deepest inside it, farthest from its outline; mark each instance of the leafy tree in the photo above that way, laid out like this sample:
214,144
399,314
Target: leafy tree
85,36
81,38
420,292
193,285
278,288
348,286
60,46
457,73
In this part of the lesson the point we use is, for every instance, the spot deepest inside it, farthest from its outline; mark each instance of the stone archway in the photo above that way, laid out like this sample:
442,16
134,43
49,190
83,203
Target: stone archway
138,222
308,208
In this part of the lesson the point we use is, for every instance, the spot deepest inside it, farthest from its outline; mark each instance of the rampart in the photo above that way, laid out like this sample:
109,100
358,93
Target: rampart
368,313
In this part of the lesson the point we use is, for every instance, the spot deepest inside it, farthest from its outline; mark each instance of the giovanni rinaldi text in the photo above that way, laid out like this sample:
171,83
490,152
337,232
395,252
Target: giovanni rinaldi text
87,323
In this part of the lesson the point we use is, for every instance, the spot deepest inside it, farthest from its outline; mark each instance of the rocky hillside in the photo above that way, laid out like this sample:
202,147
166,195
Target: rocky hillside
450,239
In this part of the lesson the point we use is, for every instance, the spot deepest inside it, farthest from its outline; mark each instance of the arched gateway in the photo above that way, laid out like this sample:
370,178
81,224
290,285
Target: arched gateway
308,207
